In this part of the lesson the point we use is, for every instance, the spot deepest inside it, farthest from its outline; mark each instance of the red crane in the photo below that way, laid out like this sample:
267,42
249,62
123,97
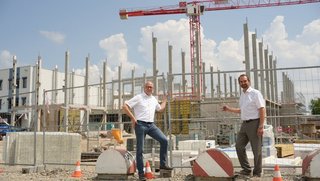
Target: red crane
193,10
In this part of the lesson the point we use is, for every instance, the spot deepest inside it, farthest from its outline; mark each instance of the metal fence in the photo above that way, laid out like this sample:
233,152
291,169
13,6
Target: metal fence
95,109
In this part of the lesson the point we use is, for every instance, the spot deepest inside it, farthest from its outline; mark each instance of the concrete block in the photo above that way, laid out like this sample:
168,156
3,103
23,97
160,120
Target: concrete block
54,148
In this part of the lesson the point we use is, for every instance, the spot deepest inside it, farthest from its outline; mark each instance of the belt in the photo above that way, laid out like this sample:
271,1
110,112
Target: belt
249,120
144,122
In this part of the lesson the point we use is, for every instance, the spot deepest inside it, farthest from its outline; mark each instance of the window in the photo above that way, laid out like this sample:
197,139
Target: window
23,101
24,82
17,101
0,103
17,83
10,84
0,84
9,103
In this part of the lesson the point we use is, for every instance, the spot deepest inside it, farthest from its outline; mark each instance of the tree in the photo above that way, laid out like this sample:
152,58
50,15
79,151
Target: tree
315,106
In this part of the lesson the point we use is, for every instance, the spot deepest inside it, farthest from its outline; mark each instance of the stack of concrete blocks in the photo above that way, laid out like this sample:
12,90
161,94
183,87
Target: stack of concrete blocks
226,135
149,144
59,149
196,145
188,151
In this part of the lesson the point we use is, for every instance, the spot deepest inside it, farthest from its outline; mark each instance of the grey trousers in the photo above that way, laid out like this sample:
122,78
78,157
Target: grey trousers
248,133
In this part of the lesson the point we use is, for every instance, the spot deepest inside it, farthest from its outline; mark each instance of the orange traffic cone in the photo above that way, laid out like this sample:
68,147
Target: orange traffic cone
77,172
148,173
277,174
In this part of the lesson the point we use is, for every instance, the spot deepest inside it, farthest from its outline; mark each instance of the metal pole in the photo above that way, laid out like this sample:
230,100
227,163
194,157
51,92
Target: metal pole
45,111
36,118
120,98
169,117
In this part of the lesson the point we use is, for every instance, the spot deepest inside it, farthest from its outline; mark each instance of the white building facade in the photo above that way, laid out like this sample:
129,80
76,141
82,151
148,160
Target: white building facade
51,82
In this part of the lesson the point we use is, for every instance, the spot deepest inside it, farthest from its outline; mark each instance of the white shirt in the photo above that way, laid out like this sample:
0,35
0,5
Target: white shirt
250,103
144,107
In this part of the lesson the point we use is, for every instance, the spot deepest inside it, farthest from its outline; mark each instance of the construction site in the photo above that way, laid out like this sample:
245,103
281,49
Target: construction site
56,121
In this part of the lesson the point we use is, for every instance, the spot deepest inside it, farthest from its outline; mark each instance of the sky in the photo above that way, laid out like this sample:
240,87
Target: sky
94,29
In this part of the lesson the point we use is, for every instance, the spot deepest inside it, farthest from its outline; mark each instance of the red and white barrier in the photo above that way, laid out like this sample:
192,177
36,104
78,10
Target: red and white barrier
213,163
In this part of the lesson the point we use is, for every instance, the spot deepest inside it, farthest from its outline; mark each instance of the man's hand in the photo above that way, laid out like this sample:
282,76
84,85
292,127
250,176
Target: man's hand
134,122
225,108
260,131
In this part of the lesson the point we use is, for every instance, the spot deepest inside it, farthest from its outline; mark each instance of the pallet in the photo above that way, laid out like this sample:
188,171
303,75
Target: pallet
284,150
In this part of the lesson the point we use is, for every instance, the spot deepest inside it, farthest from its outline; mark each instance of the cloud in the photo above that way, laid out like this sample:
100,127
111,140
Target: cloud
226,55
5,59
301,51
310,33
94,73
116,51
55,37
171,32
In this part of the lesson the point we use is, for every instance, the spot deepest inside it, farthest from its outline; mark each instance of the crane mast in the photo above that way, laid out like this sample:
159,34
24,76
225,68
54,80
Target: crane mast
193,10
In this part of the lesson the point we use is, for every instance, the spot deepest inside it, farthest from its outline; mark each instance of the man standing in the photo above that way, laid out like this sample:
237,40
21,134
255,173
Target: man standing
252,113
144,106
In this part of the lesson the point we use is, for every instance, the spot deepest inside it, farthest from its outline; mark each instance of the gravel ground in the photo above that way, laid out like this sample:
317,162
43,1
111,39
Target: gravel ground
14,173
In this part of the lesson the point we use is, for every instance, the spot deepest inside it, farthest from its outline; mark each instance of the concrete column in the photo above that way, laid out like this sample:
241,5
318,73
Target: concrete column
275,80
55,85
230,84
246,49
72,88
170,77
219,84
13,91
183,65
255,61
236,88
155,70
262,85
266,61
132,82
37,93
66,92
211,80
203,79
271,77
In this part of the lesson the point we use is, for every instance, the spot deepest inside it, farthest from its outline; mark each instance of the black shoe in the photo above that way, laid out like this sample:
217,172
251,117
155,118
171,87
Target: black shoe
245,172
256,175
165,168
142,178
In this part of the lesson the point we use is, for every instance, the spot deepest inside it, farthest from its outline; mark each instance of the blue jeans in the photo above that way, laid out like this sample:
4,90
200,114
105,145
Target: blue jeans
142,129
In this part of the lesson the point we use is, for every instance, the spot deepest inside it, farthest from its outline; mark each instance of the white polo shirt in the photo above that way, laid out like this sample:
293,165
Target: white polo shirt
144,107
250,103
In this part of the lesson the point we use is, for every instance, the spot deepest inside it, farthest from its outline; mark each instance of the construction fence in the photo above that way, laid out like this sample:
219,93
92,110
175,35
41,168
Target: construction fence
80,119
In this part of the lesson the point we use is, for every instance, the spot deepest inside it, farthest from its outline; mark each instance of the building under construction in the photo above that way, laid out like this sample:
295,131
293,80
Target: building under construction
42,100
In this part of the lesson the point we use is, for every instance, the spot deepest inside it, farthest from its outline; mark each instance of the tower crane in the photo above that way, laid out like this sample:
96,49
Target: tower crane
193,10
